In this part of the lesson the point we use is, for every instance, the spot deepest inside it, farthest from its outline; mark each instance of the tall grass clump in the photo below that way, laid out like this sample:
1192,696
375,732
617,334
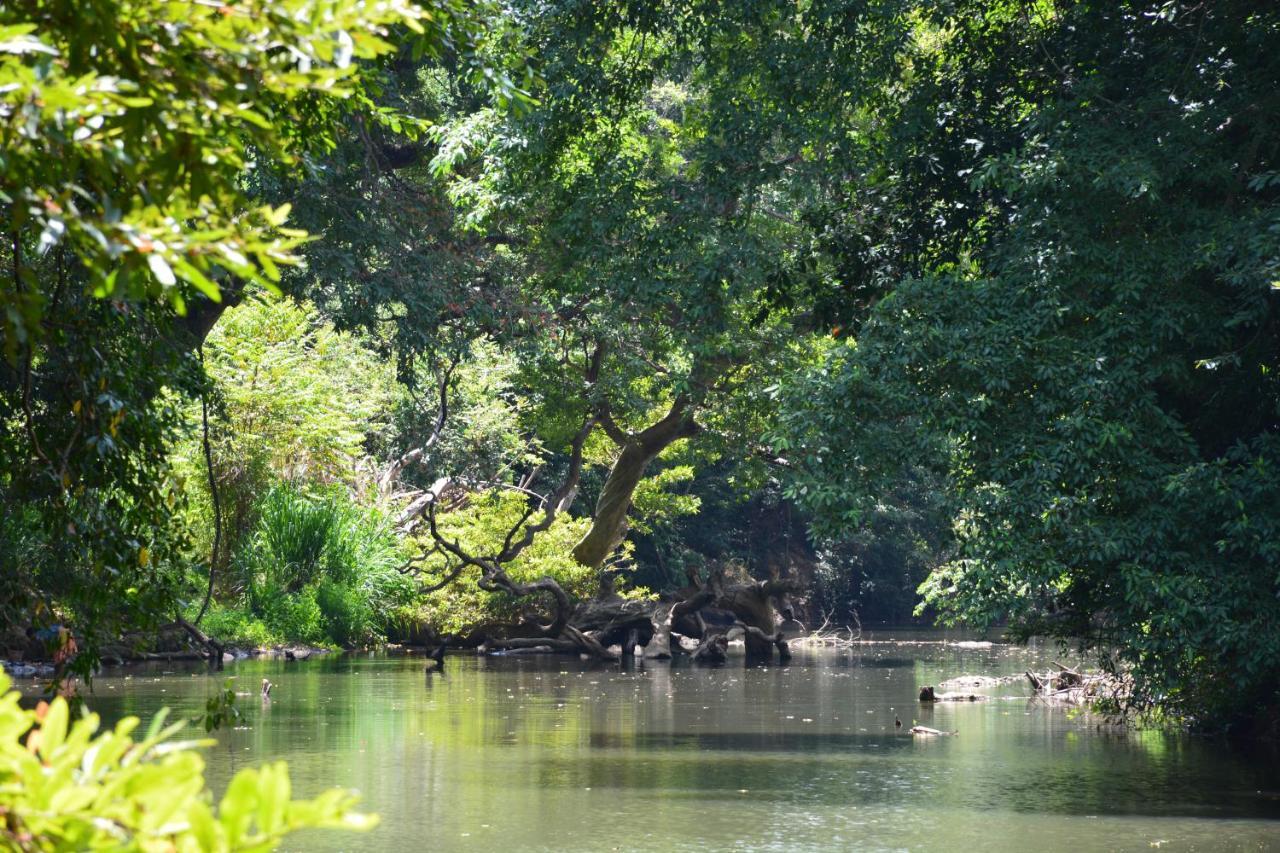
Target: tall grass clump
316,568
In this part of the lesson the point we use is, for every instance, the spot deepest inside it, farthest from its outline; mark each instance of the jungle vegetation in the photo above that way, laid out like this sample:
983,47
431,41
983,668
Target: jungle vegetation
559,323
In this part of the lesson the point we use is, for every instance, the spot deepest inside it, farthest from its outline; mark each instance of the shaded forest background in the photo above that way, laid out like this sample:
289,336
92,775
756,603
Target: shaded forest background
463,319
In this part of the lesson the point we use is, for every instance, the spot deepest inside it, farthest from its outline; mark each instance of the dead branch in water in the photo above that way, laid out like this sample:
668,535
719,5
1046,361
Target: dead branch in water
826,636
1069,686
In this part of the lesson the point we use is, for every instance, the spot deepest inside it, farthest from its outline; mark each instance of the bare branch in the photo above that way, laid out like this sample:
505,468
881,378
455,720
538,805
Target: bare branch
493,577
530,509
396,468
452,547
447,579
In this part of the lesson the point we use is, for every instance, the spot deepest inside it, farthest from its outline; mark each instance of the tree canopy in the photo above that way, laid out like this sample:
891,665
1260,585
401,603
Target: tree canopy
1085,342
981,290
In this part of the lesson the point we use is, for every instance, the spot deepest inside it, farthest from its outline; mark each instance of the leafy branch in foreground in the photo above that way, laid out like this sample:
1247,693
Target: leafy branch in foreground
66,786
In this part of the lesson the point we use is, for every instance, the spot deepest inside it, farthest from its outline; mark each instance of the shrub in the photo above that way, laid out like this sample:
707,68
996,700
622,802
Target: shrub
66,786
319,569
462,607
238,626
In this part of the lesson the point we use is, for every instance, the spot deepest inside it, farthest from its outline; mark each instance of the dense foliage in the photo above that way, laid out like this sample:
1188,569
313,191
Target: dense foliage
1084,342
983,292
130,132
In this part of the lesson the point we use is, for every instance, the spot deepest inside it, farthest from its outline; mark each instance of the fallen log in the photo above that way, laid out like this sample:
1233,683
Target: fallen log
214,650
928,694
589,644
523,644
171,656
980,681
542,649
928,732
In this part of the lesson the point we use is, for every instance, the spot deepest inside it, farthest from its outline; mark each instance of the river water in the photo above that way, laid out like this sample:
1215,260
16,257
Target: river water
538,753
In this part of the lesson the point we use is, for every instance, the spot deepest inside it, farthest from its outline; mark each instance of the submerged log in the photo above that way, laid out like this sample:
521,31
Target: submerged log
928,694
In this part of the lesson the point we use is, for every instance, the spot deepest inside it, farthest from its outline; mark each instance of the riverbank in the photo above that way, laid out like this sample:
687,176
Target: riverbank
123,656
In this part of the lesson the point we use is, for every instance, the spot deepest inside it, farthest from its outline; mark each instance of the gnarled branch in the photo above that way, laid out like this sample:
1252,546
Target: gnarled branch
397,467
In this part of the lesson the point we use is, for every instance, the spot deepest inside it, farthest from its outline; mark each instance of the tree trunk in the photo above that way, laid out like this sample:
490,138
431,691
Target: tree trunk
203,314
752,603
609,522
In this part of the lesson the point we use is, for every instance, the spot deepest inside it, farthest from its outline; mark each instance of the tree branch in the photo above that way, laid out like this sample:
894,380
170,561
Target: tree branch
619,436
214,497
396,468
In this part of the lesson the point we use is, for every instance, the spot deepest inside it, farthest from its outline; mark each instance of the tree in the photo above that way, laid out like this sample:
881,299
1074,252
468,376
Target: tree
130,131
640,238
1084,340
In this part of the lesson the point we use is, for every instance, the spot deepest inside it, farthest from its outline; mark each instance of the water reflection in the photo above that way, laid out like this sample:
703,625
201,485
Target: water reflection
552,754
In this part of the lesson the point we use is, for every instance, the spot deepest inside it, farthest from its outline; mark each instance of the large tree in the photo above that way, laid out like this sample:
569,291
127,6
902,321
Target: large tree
1068,215
639,237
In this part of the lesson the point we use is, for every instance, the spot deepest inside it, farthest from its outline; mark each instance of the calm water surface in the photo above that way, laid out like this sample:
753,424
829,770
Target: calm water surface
533,753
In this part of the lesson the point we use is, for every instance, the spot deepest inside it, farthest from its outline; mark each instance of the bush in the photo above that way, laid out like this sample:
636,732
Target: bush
238,627
65,786
318,569
461,607
293,616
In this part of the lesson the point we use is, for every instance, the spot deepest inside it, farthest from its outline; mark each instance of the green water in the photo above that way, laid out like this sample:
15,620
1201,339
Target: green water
554,754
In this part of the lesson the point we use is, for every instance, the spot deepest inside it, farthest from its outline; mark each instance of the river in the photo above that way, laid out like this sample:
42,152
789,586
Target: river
540,753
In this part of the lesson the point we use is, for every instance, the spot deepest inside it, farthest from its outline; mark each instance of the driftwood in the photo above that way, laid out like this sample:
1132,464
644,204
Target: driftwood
928,694
981,681
524,644
928,732
1071,687
169,656
824,635
213,650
